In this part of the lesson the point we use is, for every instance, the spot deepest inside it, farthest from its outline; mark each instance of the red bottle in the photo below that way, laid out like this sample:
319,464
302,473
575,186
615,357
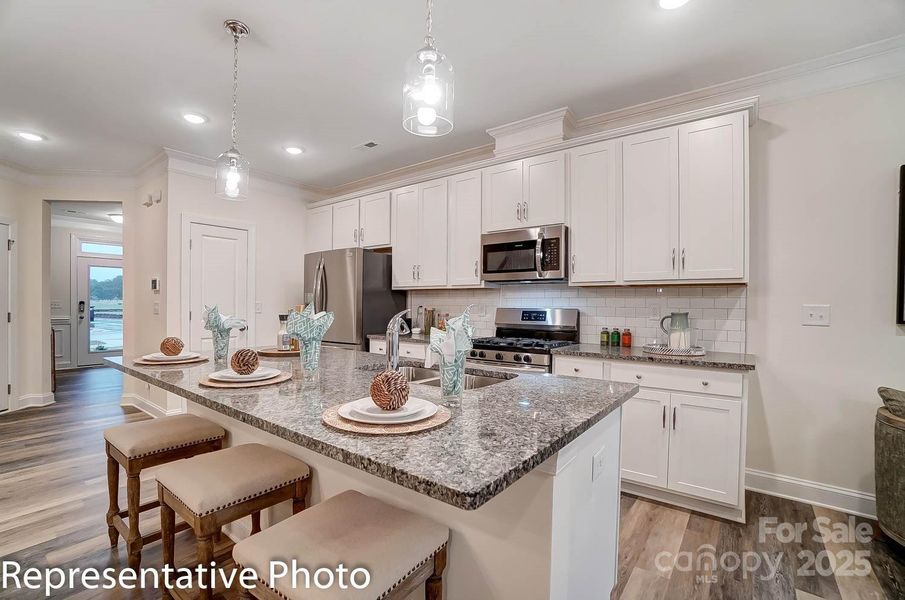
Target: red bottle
626,338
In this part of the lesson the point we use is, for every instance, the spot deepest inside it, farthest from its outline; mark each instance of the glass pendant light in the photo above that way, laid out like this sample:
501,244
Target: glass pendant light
232,169
427,95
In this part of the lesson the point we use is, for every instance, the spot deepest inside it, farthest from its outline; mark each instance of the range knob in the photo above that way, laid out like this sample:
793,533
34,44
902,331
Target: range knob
527,358
473,353
499,356
481,354
517,357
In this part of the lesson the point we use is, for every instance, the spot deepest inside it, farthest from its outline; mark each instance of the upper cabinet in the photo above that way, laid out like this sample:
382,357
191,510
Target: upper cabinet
712,198
357,223
592,212
525,193
684,202
319,229
465,229
419,217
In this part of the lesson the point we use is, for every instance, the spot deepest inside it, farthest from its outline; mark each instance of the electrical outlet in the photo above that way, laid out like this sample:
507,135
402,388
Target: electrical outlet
815,315
598,464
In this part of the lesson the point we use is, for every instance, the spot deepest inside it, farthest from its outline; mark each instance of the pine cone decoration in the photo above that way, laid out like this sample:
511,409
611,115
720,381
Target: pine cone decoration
245,361
171,346
390,390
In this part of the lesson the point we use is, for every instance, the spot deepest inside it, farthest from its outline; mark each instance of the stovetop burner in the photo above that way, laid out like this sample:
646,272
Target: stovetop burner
525,336
520,343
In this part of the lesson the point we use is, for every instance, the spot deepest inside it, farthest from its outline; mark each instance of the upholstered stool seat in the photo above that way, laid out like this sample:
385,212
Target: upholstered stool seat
400,549
144,444
212,490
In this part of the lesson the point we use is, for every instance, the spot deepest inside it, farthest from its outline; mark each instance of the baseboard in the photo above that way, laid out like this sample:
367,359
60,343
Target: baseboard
145,406
32,401
812,492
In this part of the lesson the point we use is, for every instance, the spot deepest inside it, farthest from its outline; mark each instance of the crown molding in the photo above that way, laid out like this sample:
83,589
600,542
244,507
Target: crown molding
533,133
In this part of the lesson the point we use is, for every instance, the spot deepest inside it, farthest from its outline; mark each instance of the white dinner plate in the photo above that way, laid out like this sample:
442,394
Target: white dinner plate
428,410
260,374
161,357
366,409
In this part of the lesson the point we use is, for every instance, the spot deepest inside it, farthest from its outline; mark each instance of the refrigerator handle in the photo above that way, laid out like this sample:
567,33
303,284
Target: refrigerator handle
320,291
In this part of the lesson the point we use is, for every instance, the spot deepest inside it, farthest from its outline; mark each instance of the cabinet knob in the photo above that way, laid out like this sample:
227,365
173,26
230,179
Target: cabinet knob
638,377
576,369
705,383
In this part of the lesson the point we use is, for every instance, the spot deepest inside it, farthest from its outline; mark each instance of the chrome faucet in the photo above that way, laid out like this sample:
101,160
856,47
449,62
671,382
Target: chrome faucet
395,328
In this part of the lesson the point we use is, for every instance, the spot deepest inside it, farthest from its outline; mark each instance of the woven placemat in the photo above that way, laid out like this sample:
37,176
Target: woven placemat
274,353
331,418
208,382
161,363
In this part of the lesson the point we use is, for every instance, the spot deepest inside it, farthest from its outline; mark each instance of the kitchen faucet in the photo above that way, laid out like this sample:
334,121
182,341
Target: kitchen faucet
395,328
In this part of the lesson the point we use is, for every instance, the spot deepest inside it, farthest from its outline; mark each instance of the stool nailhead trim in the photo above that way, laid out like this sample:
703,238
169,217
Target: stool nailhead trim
239,500
168,448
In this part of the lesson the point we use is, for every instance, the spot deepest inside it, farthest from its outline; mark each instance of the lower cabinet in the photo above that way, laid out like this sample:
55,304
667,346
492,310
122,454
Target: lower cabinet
411,350
645,438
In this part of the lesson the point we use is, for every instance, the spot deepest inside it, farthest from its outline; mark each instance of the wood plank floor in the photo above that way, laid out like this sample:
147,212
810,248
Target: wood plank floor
53,499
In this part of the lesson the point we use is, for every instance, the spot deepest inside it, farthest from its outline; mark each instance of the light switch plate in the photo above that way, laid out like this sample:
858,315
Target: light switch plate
157,308
599,464
259,307
815,315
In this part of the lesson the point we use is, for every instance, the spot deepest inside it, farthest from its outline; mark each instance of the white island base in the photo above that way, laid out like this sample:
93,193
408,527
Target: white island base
553,534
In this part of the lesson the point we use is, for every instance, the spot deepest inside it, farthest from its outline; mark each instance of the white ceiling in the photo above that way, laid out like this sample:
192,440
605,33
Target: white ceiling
107,80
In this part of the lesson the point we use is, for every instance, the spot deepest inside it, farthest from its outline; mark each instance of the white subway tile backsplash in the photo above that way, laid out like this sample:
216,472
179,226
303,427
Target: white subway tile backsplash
718,314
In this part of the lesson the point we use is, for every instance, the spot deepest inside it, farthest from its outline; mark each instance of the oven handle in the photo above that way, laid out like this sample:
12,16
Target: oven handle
539,255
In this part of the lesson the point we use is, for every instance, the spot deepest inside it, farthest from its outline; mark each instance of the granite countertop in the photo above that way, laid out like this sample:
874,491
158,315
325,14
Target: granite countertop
415,338
496,435
711,360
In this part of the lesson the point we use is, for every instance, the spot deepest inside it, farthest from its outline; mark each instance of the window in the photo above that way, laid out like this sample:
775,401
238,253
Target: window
102,248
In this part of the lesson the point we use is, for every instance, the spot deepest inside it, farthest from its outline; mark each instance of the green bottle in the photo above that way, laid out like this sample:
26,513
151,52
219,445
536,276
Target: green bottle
615,338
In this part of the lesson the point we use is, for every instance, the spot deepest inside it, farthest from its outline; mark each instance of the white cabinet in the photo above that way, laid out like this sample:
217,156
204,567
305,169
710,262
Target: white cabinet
645,438
502,203
712,198
419,216
465,229
374,221
525,193
377,346
345,224
413,350
573,366
319,229
592,213
705,446
650,205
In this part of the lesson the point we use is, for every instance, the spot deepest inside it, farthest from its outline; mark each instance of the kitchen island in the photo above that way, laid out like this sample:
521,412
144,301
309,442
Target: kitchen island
525,474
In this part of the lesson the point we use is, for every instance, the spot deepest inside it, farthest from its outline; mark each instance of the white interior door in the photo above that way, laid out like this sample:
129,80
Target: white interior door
99,309
4,322
218,275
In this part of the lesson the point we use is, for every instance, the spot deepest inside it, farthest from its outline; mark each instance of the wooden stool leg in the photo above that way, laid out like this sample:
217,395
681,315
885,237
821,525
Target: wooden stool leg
113,491
433,587
256,522
133,497
205,547
301,493
167,535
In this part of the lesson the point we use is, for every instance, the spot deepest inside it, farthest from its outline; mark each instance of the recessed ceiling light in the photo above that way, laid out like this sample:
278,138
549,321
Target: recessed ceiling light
671,4
31,137
194,118
116,218
294,150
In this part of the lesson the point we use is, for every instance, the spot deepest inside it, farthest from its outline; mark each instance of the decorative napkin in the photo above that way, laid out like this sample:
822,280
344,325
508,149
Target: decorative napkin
309,329
456,340
220,326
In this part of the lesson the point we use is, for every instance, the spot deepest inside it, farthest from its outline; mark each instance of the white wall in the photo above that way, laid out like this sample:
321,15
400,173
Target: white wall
824,182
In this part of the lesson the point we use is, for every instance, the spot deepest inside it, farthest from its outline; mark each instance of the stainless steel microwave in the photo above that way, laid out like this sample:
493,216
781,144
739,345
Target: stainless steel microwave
532,254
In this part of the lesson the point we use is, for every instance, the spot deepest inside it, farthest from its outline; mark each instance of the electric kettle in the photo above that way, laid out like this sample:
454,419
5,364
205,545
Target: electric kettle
679,332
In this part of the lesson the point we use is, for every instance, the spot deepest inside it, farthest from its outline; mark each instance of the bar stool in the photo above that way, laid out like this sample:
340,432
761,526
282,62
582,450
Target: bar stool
137,446
400,549
212,490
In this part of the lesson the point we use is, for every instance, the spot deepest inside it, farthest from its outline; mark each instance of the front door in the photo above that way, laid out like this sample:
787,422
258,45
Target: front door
219,276
99,293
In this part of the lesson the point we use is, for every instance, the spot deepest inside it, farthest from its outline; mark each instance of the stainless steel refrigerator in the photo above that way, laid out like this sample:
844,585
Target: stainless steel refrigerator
356,285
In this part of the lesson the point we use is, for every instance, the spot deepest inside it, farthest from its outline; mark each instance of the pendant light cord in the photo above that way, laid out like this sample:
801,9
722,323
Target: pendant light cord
235,126
429,38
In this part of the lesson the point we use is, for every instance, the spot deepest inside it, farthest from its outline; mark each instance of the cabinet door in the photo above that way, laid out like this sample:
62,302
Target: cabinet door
432,227
374,229
712,198
592,213
319,229
650,205
345,224
406,222
502,196
645,438
544,189
465,229
705,447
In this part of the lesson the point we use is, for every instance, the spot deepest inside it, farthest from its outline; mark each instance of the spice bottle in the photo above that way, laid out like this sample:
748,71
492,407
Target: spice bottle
604,336
283,336
626,338
615,338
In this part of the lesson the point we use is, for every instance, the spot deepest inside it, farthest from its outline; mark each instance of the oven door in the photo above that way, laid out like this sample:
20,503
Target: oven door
534,254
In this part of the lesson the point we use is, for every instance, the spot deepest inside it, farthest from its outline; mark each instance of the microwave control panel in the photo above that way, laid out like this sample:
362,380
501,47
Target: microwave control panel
551,254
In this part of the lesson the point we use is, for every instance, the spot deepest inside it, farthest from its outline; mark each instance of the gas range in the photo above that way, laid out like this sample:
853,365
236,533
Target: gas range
525,336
